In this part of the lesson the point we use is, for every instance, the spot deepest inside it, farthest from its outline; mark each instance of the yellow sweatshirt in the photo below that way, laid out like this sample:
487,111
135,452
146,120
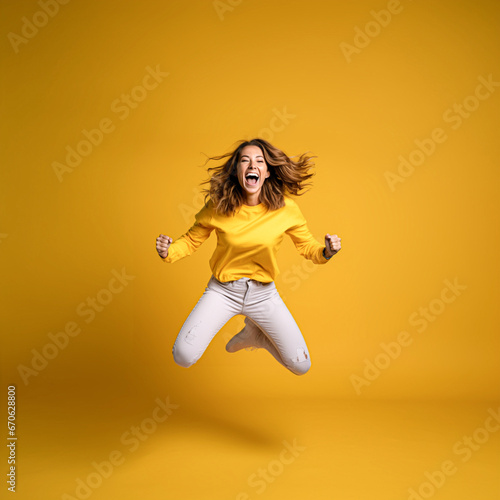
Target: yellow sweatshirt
247,243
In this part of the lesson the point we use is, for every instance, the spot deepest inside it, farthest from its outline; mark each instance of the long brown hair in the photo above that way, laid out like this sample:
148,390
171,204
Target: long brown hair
287,176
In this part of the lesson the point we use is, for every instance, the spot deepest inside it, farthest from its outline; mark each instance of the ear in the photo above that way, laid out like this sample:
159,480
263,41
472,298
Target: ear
268,174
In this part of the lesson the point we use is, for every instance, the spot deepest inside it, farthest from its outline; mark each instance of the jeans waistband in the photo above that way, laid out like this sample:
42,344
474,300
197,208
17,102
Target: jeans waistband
242,281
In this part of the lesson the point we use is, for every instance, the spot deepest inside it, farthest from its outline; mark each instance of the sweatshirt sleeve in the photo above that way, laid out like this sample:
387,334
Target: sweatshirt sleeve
307,245
189,242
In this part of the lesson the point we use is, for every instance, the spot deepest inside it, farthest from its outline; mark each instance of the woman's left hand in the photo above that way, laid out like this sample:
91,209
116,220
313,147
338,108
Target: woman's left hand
332,245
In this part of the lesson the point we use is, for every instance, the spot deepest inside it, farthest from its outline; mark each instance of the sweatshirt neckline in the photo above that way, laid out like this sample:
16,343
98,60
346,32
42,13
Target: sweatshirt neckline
253,208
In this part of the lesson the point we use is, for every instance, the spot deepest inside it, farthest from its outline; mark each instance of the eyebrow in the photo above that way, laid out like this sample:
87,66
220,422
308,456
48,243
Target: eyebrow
258,156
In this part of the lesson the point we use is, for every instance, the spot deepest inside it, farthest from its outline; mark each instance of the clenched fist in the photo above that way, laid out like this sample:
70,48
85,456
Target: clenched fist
332,245
163,243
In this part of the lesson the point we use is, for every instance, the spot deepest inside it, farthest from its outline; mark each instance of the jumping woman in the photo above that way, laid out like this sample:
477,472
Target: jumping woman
249,207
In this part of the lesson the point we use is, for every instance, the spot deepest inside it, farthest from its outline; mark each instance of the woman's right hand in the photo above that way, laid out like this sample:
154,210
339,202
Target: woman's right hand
163,243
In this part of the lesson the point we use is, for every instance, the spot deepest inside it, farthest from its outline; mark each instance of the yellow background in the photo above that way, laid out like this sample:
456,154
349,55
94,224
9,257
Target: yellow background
236,70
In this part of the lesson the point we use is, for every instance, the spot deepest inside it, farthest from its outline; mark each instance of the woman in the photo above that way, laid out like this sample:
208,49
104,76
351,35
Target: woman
250,210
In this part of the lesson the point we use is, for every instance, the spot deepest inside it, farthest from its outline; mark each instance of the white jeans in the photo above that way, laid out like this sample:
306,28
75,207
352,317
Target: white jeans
258,301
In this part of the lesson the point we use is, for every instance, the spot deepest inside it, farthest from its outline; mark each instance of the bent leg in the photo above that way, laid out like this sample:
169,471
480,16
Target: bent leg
209,315
275,321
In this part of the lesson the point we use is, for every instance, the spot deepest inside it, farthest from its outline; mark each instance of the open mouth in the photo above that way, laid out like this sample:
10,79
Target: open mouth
252,179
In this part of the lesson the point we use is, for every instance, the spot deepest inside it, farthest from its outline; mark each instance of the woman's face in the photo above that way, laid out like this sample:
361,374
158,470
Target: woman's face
252,171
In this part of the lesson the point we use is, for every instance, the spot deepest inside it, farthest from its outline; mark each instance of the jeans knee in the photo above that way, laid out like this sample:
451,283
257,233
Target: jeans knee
301,363
182,357
300,368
